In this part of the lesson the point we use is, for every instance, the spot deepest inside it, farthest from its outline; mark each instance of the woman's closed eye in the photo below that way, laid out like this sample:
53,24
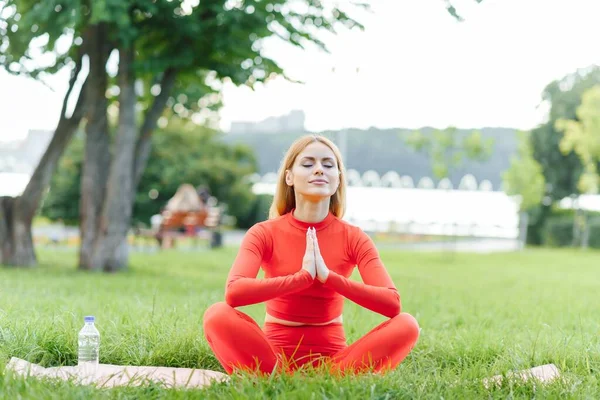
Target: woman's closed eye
324,165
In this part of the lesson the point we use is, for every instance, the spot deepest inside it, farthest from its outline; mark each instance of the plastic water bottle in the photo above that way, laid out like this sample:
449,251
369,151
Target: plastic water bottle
89,349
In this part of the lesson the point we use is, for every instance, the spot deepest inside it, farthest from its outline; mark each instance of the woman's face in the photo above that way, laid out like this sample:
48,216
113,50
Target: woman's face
315,172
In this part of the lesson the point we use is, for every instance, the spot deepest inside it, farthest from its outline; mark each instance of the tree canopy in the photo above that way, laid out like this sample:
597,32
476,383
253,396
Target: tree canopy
524,178
181,153
582,136
143,62
448,149
562,171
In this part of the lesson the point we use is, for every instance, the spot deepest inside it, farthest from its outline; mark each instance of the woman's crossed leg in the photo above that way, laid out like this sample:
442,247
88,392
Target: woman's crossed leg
238,342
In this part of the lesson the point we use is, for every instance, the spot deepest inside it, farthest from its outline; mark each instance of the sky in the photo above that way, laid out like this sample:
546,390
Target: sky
417,66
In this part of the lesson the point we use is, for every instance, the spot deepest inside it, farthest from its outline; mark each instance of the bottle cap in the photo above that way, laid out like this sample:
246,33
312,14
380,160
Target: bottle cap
89,318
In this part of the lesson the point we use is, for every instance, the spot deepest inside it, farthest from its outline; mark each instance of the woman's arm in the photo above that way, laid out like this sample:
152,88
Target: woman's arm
243,288
377,292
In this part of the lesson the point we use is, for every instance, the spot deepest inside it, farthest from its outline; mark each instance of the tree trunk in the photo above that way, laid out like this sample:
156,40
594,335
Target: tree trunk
585,234
576,224
5,226
97,142
523,225
104,238
16,214
15,233
111,250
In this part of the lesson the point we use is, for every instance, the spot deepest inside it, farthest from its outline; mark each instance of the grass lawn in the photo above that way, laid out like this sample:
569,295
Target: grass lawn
480,315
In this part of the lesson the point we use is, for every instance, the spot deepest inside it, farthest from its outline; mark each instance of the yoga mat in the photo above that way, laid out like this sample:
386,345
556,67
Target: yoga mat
109,375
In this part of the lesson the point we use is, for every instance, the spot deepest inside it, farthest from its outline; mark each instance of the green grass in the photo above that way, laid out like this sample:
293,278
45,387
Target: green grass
480,315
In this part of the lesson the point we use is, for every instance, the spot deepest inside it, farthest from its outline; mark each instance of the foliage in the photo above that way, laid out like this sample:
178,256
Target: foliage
183,153
61,202
259,211
195,155
204,41
582,136
594,232
558,231
562,172
171,57
447,149
564,97
558,228
524,178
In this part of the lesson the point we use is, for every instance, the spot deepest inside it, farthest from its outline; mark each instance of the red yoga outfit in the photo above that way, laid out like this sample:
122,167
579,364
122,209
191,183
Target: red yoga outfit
290,293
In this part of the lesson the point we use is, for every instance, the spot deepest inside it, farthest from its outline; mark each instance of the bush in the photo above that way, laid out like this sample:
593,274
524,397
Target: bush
558,228
536,225
594,239
558,231
259,211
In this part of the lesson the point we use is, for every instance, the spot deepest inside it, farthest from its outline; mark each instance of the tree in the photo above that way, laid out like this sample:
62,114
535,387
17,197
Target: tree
582,136
562,172
564,96
185,153
181,153
172,57
525,179
447,149
61,201
17,32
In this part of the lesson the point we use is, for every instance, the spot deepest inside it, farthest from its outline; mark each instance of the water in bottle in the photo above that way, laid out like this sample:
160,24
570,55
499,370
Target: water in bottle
89,349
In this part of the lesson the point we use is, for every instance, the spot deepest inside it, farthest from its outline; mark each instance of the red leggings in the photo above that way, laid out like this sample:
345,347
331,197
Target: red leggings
239,343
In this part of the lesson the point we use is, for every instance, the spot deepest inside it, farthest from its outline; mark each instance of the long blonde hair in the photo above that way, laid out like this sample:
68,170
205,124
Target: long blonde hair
284,200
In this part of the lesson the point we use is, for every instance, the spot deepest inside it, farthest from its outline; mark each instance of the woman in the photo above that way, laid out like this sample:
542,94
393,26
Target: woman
308,254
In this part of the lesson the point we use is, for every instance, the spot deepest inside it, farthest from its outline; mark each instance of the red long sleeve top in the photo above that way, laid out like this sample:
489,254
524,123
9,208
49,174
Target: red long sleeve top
290,293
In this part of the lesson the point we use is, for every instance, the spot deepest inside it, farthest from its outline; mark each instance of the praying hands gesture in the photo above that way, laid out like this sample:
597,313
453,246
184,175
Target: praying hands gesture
313,261
309,261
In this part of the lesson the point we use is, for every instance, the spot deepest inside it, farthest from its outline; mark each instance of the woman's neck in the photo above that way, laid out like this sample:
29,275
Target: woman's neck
311,211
